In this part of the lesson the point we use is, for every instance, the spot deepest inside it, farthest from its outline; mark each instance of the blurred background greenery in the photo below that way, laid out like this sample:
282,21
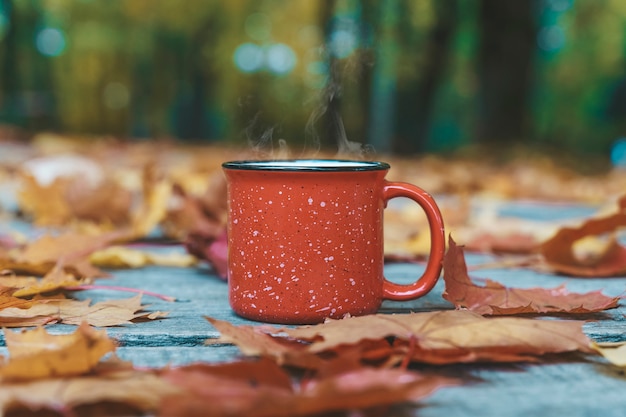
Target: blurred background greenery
402,76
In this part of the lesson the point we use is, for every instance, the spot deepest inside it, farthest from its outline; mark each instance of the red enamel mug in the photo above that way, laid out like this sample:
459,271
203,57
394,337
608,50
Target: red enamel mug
305,239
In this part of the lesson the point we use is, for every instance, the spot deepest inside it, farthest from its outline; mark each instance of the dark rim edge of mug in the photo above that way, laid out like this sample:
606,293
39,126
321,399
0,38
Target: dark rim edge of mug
306,165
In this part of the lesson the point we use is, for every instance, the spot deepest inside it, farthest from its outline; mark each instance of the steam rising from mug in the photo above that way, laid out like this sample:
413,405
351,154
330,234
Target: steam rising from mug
263,146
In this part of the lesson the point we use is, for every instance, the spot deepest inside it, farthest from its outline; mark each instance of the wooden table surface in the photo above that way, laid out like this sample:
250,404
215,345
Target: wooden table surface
565,386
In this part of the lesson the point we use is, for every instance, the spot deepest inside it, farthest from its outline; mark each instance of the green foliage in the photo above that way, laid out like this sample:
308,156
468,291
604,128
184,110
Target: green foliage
154,68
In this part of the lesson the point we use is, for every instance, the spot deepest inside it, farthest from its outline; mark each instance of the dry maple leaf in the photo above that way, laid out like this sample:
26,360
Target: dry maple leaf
69,249
433,337
36,354
67,311
252,341
143,391
262,389
8,301
72,196
496,299
559,255
450,336
54,280
45,203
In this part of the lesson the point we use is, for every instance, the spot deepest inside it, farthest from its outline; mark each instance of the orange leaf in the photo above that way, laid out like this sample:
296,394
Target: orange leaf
54,280
141,390
496,299
559,254
36,354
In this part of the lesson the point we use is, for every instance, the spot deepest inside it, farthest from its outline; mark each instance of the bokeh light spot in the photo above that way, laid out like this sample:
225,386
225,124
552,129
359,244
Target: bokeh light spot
618,153
551,38
342,43
248,57
281,59
50,42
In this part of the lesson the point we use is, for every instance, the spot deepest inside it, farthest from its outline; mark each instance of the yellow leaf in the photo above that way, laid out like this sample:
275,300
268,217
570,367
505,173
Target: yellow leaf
123,257
613,352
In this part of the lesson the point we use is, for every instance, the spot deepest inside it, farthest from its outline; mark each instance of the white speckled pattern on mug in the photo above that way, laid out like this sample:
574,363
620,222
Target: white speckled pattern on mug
304,246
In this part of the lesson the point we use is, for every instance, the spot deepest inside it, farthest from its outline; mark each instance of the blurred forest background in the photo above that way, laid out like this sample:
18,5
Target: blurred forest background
402,76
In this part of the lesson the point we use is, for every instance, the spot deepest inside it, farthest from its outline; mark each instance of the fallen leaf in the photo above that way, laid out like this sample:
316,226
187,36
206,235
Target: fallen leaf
106,313
141,390
45,203
62,189
450,336
496,299
613,352
213,249
203,215
252,341
20,322
68,311
157,190
70,249
36,354
54,280
519,243
7,300
560,257
124,257
262,389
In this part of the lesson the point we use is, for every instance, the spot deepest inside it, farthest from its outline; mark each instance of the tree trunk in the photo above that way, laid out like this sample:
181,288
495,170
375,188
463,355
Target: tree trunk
416,105
508,38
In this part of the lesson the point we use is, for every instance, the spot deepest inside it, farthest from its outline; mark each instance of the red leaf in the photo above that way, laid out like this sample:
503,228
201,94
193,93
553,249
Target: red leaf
212,249
496,299
263,389
559,254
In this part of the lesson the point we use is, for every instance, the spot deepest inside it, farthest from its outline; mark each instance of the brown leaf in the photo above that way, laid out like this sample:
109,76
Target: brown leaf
69,198
156,193
54,280
35,354
559,254
496,299
105,313
142,390
262,389
450,336
70,249
252,341
45,203
203,215
8,301
67,311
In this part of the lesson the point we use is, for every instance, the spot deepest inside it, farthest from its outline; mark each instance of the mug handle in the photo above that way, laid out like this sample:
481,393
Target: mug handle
399,292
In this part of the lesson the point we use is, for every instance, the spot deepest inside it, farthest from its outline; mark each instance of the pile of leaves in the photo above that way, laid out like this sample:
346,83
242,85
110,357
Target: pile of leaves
90,203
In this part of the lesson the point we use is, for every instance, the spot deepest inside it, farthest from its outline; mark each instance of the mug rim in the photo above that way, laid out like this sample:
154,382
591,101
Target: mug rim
307,165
